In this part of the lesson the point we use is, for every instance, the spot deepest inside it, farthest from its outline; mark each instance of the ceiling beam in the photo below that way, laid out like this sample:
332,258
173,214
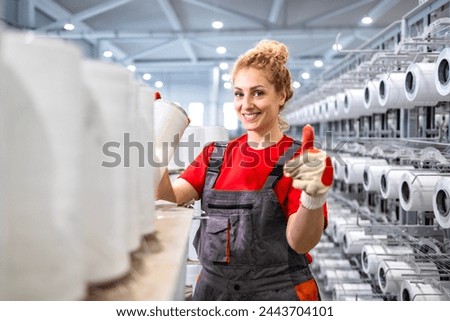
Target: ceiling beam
56,11
174,66
189,49
212,48
314,50
344,42
359,35
26,13
175,23
52,9
239,34
184,65
171,15
335,13
381,8
275,10
220,9
148,51
86,14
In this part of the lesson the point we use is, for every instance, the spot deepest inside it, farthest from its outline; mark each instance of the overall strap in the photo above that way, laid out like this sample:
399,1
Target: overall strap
215,162
277,171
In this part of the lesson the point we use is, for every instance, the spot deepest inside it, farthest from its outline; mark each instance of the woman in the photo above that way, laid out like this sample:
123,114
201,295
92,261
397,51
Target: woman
259,224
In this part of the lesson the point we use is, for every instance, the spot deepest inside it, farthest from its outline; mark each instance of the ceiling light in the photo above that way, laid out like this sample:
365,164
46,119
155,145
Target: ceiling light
146,76
296,84
318,63
131,68
69,26
217,24
107,53
227,85
337,47
367,20
159,84
223,66
226,77
221,50
306,75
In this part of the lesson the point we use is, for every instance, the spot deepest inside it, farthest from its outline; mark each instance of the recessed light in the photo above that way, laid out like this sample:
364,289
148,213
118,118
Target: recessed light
306,75
107,53
159,84
217,24
221,50
337,47
146,76
223,66
367,20
318,63
69,26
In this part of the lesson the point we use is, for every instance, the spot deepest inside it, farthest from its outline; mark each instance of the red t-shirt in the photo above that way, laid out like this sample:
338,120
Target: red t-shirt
245,168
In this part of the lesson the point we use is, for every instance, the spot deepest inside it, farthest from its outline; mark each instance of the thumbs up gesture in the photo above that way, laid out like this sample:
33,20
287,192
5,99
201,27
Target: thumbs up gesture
311,171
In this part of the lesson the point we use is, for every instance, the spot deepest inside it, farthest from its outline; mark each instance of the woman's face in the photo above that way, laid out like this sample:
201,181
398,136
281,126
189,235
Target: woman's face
256,101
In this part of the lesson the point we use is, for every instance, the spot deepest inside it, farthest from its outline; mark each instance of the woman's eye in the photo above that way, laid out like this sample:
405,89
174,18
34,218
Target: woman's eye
258,93
238,94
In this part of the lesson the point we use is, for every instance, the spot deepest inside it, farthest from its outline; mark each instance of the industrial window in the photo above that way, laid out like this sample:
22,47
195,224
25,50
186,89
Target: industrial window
230,119
195,112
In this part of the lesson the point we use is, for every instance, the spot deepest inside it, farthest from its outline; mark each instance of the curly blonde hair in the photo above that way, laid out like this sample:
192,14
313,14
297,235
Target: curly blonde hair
269,55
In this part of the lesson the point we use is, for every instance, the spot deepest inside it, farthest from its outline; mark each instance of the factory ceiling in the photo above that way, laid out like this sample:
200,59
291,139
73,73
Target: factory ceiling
177,37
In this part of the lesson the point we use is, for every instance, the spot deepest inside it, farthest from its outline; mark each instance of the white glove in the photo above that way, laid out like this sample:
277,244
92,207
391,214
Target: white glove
311,171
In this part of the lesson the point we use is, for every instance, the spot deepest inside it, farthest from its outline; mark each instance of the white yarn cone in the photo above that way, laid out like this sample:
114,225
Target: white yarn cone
106,188
145,180
42,109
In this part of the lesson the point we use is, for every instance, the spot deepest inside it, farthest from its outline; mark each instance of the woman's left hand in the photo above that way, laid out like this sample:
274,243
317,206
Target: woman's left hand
312,170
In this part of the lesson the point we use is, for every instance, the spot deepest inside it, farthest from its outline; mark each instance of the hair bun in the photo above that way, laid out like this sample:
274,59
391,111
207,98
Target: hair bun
275,49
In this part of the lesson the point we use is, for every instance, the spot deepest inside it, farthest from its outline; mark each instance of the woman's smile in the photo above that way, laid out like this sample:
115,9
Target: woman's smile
250,117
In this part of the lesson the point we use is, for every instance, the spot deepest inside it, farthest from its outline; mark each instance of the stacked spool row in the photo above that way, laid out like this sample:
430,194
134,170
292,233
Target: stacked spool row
387,270
421,84
416,189
341,280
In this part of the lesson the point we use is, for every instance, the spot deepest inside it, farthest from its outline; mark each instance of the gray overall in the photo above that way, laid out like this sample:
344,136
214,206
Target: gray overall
242,242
